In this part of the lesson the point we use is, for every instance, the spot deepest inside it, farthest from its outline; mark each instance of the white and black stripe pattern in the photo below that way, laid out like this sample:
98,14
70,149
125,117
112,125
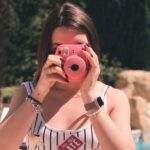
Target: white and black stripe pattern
29,87
51,138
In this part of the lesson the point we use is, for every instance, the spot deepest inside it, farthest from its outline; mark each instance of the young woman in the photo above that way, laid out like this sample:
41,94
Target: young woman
73,115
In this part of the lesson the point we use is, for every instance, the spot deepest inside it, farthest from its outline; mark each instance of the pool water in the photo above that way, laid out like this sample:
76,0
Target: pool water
140,145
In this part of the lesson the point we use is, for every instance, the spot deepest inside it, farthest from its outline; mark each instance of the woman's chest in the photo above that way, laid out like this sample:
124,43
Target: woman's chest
71,115
53,139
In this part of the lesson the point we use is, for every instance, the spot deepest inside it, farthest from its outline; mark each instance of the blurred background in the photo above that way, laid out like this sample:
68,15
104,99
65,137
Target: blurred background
124,31
123,27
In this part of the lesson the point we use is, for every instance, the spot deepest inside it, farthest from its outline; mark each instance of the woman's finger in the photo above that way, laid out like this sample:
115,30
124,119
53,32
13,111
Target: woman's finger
57,77
56,70
53,60
90,50
90,58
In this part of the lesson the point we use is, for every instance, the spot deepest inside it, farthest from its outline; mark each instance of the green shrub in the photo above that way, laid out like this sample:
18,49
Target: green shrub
110,69
7,93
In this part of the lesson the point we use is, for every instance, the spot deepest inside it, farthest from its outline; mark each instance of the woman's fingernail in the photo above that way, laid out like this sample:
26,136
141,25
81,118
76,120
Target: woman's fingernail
84,48
88,45
66,80
62,59
66,76
62,65
91,55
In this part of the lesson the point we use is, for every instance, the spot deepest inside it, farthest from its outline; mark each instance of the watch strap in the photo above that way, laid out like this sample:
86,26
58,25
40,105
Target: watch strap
95,104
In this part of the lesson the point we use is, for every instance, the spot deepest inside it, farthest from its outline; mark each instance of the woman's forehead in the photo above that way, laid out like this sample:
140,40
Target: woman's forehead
68,35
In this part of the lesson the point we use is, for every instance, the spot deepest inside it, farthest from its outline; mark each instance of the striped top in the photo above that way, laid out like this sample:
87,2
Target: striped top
42,136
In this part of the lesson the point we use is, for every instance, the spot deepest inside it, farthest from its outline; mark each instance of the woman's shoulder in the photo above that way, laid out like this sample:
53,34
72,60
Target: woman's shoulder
114,96
20,94
112,91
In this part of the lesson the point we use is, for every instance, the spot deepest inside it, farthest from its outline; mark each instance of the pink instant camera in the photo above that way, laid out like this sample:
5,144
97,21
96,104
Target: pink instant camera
75,65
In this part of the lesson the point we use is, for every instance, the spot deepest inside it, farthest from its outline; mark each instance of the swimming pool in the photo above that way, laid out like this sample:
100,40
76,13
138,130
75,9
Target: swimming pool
140,145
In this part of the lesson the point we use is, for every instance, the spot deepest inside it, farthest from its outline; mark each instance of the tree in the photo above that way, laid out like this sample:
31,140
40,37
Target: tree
123,28
24,28
4,40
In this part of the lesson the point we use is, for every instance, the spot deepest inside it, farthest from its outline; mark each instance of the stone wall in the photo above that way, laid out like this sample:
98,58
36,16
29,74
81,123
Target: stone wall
136,85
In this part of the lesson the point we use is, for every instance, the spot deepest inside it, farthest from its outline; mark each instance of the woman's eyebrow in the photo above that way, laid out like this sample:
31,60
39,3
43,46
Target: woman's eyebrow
78,42
55,44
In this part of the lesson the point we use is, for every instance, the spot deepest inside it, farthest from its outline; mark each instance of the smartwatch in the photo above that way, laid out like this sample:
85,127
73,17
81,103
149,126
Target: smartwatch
95,104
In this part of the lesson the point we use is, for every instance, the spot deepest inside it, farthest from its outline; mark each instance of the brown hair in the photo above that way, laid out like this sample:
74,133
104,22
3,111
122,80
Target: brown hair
67,15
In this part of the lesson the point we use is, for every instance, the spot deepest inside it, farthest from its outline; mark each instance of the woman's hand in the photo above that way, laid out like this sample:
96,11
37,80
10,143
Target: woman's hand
88,85
51,73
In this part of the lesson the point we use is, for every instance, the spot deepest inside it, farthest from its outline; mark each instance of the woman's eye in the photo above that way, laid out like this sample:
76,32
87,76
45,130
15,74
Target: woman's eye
52,50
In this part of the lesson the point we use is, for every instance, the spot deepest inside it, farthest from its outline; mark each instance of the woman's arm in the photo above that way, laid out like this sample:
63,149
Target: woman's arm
17,122
113,130
21,114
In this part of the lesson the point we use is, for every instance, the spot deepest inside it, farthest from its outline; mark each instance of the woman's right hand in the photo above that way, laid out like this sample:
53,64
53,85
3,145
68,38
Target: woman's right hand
51,72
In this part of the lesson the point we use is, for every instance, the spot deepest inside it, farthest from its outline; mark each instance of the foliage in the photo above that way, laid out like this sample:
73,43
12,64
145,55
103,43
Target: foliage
110,69
7,93
123,27
23,36
4,40
124,30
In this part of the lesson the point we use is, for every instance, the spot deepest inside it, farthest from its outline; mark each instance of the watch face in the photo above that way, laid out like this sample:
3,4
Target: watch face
100,101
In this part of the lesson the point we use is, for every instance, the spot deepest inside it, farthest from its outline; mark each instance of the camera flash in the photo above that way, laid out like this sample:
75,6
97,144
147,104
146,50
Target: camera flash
66,50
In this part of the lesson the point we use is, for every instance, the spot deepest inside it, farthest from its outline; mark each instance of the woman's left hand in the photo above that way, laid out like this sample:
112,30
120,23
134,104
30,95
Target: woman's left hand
88,85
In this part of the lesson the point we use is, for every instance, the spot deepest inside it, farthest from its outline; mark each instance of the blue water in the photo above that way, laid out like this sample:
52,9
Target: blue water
140,145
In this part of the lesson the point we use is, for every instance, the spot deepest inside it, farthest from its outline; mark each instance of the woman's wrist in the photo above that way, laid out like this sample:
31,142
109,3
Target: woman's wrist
88,97
37,105
39,93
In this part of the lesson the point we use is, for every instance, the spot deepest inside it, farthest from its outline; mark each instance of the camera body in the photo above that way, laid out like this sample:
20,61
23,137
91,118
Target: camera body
74,63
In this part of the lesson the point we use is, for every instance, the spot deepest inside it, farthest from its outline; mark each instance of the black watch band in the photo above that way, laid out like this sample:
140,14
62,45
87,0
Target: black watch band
95,104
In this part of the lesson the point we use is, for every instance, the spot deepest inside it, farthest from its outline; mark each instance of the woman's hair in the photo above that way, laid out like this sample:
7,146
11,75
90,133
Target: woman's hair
66,15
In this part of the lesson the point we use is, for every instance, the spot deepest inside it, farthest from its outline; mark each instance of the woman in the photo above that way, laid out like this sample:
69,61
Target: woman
73,115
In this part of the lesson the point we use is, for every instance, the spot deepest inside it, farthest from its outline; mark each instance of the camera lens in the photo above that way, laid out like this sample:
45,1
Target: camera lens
74,67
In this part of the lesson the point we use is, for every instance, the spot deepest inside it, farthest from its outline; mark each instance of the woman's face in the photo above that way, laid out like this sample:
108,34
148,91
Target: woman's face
64,35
